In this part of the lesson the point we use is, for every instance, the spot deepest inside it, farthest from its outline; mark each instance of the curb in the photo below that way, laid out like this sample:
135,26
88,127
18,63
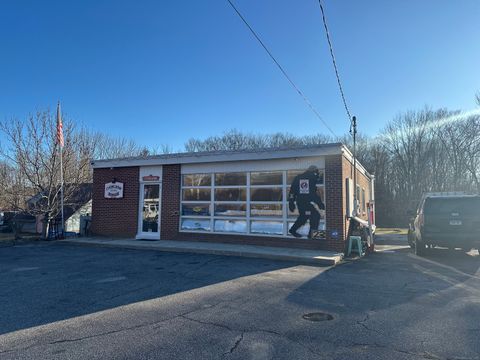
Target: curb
320,261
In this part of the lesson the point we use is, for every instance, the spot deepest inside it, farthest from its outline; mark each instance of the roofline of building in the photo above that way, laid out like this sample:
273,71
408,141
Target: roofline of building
225,156
349,155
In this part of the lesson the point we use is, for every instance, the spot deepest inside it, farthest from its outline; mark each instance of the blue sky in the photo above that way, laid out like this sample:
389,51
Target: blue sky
161,72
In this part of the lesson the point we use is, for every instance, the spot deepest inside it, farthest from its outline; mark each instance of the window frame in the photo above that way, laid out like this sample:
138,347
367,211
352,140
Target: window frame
364,201
285,219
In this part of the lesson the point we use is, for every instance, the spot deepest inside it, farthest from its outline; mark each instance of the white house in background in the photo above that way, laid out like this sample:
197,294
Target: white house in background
72,224
79,204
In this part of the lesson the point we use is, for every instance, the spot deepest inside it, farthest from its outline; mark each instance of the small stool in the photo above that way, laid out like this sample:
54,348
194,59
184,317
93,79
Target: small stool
357,240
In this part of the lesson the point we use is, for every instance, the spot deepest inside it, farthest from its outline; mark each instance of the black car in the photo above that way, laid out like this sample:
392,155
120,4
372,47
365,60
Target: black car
449,220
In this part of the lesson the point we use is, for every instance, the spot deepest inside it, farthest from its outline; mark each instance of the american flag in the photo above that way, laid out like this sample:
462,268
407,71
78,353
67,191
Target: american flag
59,127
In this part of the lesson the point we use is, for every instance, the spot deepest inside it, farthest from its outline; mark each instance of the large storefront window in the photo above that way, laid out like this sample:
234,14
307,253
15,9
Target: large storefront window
241,202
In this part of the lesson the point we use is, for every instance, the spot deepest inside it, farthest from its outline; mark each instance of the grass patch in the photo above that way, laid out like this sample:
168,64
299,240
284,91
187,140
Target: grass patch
26,236
388,231
6,236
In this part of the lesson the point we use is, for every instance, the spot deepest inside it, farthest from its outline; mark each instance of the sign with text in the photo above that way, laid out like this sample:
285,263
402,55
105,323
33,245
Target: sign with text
114,190
151,178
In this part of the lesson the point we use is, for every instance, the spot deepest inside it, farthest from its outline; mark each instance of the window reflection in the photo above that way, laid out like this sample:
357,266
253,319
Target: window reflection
197,180
196,209
272,210
266,178
230,194
235,226
151,198
230,209
196,194
267,227
229,179
196,224
266,194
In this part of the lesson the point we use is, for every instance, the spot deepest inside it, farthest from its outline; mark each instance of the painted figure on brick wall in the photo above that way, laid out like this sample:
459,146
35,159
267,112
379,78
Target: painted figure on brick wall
303,194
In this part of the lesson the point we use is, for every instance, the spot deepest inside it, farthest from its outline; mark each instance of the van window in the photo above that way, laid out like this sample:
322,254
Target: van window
464,205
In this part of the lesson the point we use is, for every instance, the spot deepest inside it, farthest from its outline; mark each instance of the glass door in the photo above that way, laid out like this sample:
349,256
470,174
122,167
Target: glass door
149,219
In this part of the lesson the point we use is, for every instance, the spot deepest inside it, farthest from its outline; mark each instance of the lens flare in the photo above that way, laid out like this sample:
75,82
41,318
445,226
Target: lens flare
433,124
455,118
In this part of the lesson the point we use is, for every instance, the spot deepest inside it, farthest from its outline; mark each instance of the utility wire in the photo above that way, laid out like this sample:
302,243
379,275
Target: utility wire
335,63
303,96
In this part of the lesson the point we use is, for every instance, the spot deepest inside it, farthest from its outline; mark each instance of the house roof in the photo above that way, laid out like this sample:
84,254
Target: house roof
228,155
80,196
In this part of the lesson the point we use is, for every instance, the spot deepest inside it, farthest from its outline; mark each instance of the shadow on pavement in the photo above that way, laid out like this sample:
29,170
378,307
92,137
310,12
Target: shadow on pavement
41,284
468,263
387,279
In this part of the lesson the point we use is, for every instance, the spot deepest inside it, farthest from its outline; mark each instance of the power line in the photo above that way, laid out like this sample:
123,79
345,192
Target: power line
353,120
334,62
303,96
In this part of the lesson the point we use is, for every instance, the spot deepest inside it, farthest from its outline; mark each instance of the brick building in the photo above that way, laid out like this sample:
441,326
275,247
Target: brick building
226,196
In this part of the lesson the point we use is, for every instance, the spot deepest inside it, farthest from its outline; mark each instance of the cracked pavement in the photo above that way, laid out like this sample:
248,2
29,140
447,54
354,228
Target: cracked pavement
68,302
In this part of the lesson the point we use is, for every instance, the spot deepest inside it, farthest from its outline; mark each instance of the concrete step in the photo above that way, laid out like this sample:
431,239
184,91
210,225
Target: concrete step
303,256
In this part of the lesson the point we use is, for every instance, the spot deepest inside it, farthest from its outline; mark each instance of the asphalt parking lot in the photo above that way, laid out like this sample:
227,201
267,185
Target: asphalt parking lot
61,301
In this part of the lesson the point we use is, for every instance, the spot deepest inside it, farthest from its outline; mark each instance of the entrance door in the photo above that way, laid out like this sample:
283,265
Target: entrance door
149,214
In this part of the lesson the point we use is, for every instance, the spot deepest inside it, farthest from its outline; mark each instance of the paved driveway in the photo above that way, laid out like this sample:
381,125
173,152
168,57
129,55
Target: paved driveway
60,302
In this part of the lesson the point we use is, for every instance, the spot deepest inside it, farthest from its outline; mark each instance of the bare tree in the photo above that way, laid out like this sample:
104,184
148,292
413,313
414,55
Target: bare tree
30,163
236,140
426,151
32,151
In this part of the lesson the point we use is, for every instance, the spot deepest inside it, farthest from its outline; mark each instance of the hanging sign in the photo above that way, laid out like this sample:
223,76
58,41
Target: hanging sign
114,190
151,178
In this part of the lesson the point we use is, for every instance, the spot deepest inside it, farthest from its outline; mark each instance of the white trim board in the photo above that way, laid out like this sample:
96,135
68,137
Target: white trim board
258,165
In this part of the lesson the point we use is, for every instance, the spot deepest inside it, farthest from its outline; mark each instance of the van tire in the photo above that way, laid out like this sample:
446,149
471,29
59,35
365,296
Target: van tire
411,239
420,248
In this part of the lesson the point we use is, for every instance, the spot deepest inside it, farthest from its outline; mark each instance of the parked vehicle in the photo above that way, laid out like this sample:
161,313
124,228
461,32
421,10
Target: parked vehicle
9,218
449,220
5,221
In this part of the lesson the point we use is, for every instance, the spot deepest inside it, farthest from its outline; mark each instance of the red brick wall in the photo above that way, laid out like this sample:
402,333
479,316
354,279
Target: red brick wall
115,217
334,203
254,240
170,215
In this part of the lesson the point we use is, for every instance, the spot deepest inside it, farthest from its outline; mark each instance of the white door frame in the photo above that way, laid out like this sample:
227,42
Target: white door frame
140,233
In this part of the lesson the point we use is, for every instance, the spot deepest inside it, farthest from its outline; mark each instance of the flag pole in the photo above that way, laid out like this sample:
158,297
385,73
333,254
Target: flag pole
61,189
60,143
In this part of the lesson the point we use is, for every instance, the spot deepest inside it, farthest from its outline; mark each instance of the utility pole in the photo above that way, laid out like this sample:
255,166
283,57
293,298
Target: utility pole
353,131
